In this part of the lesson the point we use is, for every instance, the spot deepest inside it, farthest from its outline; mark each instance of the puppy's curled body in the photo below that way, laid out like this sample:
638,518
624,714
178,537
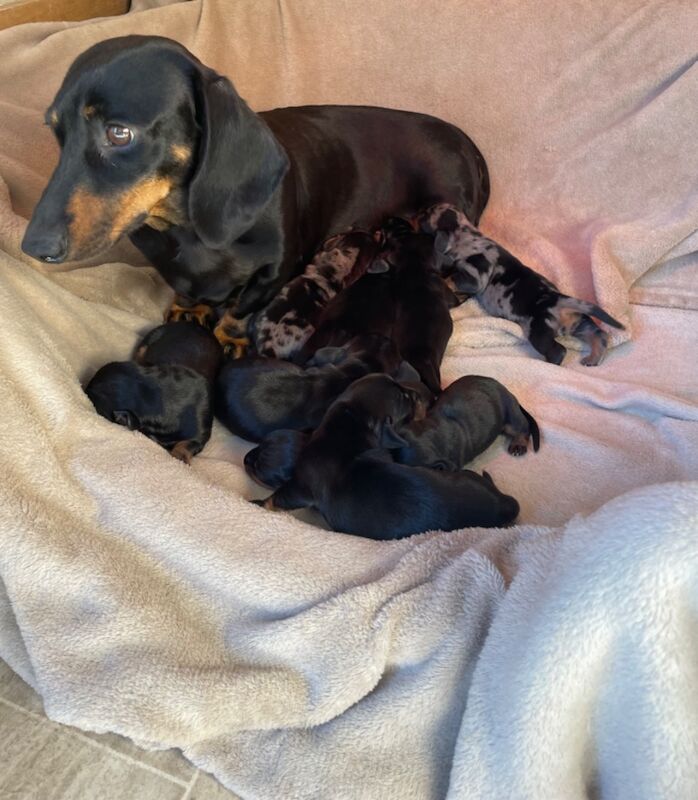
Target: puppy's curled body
464,421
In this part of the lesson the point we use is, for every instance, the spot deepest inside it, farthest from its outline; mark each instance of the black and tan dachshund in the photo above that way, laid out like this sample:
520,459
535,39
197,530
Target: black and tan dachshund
256,396
228,204
346,472
463,422
166,392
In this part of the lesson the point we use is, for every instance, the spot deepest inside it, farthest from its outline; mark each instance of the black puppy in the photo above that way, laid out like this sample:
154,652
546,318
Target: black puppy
183,343
423,323
403,298
507,288
166,392
255,396
463,422
346,473
271,463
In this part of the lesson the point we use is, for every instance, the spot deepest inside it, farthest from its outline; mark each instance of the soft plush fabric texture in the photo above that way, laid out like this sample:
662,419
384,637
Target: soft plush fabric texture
556,659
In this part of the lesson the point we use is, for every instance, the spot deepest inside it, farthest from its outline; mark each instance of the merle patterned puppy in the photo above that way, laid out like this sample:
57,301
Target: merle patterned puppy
507,288
282,328
464,421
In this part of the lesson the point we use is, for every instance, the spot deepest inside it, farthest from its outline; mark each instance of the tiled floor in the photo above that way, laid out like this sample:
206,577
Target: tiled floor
42,760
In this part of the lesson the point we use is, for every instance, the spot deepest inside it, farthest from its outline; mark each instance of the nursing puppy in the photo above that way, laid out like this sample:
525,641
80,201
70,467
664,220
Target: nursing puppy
346,472
166,392
506,288
365,307
285,325
423,323
255,396
402,298
463,422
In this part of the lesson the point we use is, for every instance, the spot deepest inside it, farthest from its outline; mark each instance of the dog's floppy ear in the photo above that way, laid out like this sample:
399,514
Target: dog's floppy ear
239,164
389,439
126,418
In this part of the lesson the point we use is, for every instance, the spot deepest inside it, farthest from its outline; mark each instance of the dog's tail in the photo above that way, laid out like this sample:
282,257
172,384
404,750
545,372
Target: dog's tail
534,430
585,307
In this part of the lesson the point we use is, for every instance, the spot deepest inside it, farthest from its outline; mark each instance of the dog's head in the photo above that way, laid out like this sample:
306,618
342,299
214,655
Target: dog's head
148,134
384,405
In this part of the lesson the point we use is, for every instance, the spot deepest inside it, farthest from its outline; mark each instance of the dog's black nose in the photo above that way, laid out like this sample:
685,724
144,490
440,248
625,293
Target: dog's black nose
45,244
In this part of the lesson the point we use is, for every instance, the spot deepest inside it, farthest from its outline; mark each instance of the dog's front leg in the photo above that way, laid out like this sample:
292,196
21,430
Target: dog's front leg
231,332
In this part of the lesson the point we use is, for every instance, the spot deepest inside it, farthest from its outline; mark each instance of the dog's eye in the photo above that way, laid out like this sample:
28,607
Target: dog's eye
119,135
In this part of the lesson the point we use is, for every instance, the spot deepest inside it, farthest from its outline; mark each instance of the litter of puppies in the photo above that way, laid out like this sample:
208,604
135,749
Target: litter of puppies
341,387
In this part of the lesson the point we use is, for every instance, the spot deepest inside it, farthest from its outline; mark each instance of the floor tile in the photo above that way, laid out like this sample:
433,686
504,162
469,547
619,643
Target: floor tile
14,689
44,761
207,787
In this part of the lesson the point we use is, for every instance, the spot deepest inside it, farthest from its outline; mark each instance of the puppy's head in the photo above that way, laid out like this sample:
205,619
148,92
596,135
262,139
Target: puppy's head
149,135
441,217
123,392
383,404
271,463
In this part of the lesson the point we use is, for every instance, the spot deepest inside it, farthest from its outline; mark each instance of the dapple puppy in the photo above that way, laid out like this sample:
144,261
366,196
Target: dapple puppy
463,422
346,472
286,324
506,288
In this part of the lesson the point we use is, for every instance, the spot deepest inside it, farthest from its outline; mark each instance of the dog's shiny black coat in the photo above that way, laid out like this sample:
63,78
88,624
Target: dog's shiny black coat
166,392
346,473
272,462
463,422
256,396
242,200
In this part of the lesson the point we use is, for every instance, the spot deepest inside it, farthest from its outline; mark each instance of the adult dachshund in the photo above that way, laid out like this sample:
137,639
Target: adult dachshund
228,204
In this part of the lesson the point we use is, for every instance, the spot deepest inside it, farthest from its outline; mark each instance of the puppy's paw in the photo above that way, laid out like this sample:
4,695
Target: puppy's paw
182,452
518,445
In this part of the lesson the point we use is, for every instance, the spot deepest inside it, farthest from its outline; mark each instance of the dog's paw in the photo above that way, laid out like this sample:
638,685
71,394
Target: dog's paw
200,313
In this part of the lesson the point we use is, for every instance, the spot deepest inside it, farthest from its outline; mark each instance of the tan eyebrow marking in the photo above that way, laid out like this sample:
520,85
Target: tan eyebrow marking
88,112
180,152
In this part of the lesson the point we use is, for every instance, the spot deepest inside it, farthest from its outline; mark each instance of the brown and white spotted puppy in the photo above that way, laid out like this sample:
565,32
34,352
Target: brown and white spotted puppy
475,265
282,328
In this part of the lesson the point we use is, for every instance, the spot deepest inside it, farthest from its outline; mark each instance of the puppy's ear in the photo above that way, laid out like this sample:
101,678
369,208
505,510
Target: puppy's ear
126,418
406,373
390,440
327,355
239,164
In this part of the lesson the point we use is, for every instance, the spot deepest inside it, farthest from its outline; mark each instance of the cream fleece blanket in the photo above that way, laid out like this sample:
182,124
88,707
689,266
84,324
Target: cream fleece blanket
557,659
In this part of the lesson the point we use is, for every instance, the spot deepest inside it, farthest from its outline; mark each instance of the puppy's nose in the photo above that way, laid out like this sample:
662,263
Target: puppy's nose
45,244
